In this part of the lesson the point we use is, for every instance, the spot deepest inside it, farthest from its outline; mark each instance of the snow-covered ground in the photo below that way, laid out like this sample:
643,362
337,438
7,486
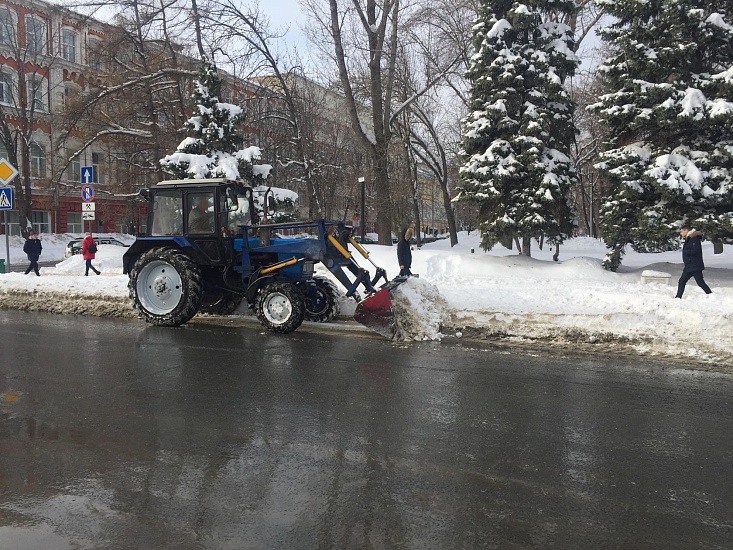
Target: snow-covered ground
463,291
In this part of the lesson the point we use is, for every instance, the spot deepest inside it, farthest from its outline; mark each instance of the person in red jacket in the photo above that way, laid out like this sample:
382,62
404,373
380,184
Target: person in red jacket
88,250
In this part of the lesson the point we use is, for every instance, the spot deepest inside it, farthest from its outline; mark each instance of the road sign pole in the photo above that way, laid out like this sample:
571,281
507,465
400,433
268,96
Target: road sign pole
7,243
7,174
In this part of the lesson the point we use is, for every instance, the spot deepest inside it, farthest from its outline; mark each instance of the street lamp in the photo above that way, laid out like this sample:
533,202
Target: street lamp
363,209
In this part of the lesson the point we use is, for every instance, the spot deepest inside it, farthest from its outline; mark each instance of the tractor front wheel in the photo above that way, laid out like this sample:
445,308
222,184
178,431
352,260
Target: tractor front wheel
165,287
280,307
323,302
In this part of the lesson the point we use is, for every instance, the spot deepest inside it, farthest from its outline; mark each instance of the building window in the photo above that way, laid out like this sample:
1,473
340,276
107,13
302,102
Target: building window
73,171
35,35
68,45
94,54
11,216
7,89
70,93
41,222
73,223
36,94
38,161
97,161
7,27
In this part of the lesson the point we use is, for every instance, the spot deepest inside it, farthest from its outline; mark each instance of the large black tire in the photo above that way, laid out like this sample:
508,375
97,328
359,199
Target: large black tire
327,303
280,307
165,287
222,303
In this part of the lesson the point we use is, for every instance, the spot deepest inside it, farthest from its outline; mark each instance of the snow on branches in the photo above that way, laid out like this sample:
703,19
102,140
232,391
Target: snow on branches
669,152
213,147
519,130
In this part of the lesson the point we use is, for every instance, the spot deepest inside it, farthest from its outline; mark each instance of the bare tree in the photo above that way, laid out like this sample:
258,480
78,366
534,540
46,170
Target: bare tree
294,119
363,35
367,29
439,40
133,104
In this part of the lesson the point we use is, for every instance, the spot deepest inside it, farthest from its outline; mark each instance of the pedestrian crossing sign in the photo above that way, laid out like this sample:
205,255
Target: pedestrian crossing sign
6,198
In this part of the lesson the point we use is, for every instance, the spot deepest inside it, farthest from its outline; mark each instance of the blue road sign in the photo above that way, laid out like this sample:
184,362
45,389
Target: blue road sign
87,193
87,174
6,198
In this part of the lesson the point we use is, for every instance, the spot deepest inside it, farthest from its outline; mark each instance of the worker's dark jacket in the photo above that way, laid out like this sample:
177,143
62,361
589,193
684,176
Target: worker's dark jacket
32,248
404,254
692,252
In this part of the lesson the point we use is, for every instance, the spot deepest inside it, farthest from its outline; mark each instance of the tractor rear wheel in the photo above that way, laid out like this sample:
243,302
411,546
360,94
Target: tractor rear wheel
322,303
280,307
165,287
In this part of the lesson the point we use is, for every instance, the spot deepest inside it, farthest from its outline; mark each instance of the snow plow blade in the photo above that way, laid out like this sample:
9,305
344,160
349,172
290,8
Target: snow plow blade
375,312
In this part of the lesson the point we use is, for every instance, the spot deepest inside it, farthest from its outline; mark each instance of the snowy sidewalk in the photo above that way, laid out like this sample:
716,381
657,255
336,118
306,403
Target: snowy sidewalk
485,295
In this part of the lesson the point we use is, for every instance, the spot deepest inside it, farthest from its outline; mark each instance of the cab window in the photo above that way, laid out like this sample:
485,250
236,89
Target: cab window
167,214
200,209
240,216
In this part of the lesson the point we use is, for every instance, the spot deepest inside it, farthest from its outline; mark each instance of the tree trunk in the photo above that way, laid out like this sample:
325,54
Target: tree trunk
527,246
416,203
383,203
450,215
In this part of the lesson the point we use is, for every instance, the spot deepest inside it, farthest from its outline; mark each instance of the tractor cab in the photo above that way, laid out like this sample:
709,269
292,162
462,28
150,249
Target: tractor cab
206,214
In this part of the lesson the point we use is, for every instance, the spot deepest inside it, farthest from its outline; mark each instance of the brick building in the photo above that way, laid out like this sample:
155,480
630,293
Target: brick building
52,58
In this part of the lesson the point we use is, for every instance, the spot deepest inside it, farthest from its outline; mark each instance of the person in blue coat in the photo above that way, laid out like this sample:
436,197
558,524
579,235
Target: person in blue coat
404,254
692,258
32,248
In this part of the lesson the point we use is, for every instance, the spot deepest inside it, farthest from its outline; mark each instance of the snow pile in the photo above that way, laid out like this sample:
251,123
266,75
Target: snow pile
419,309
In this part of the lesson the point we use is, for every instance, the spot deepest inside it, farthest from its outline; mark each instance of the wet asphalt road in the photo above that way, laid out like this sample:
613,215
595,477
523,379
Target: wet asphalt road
118,435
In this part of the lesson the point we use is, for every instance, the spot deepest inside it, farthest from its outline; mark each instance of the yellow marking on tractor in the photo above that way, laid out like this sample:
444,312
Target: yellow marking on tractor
334,241
280,265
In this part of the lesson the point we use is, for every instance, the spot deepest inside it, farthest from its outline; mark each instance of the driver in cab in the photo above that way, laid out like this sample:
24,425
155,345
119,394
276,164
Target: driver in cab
200,218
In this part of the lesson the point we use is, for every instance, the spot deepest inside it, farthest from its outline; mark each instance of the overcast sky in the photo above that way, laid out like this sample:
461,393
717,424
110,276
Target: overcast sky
285,13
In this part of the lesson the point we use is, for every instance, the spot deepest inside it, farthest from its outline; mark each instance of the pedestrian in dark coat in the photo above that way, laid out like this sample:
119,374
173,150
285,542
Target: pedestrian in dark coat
32,248
404,254
88,252
692,258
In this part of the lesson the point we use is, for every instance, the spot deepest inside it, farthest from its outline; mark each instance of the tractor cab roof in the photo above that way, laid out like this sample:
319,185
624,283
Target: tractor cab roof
207,181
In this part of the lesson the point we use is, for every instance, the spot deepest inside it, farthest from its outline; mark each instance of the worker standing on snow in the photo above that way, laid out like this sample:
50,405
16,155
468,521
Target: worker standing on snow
692,258
404,254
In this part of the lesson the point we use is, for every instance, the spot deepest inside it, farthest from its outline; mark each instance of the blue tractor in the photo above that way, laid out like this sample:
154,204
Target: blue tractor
208,247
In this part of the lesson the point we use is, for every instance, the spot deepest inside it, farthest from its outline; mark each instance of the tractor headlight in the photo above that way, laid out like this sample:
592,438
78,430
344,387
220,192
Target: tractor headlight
309,268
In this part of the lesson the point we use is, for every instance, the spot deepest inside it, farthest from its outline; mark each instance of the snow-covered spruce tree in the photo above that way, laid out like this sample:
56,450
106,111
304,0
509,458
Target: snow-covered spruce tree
518,133
669,154
214,146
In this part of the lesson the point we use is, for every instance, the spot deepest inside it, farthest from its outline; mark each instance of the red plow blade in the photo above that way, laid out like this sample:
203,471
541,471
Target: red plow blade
375,312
